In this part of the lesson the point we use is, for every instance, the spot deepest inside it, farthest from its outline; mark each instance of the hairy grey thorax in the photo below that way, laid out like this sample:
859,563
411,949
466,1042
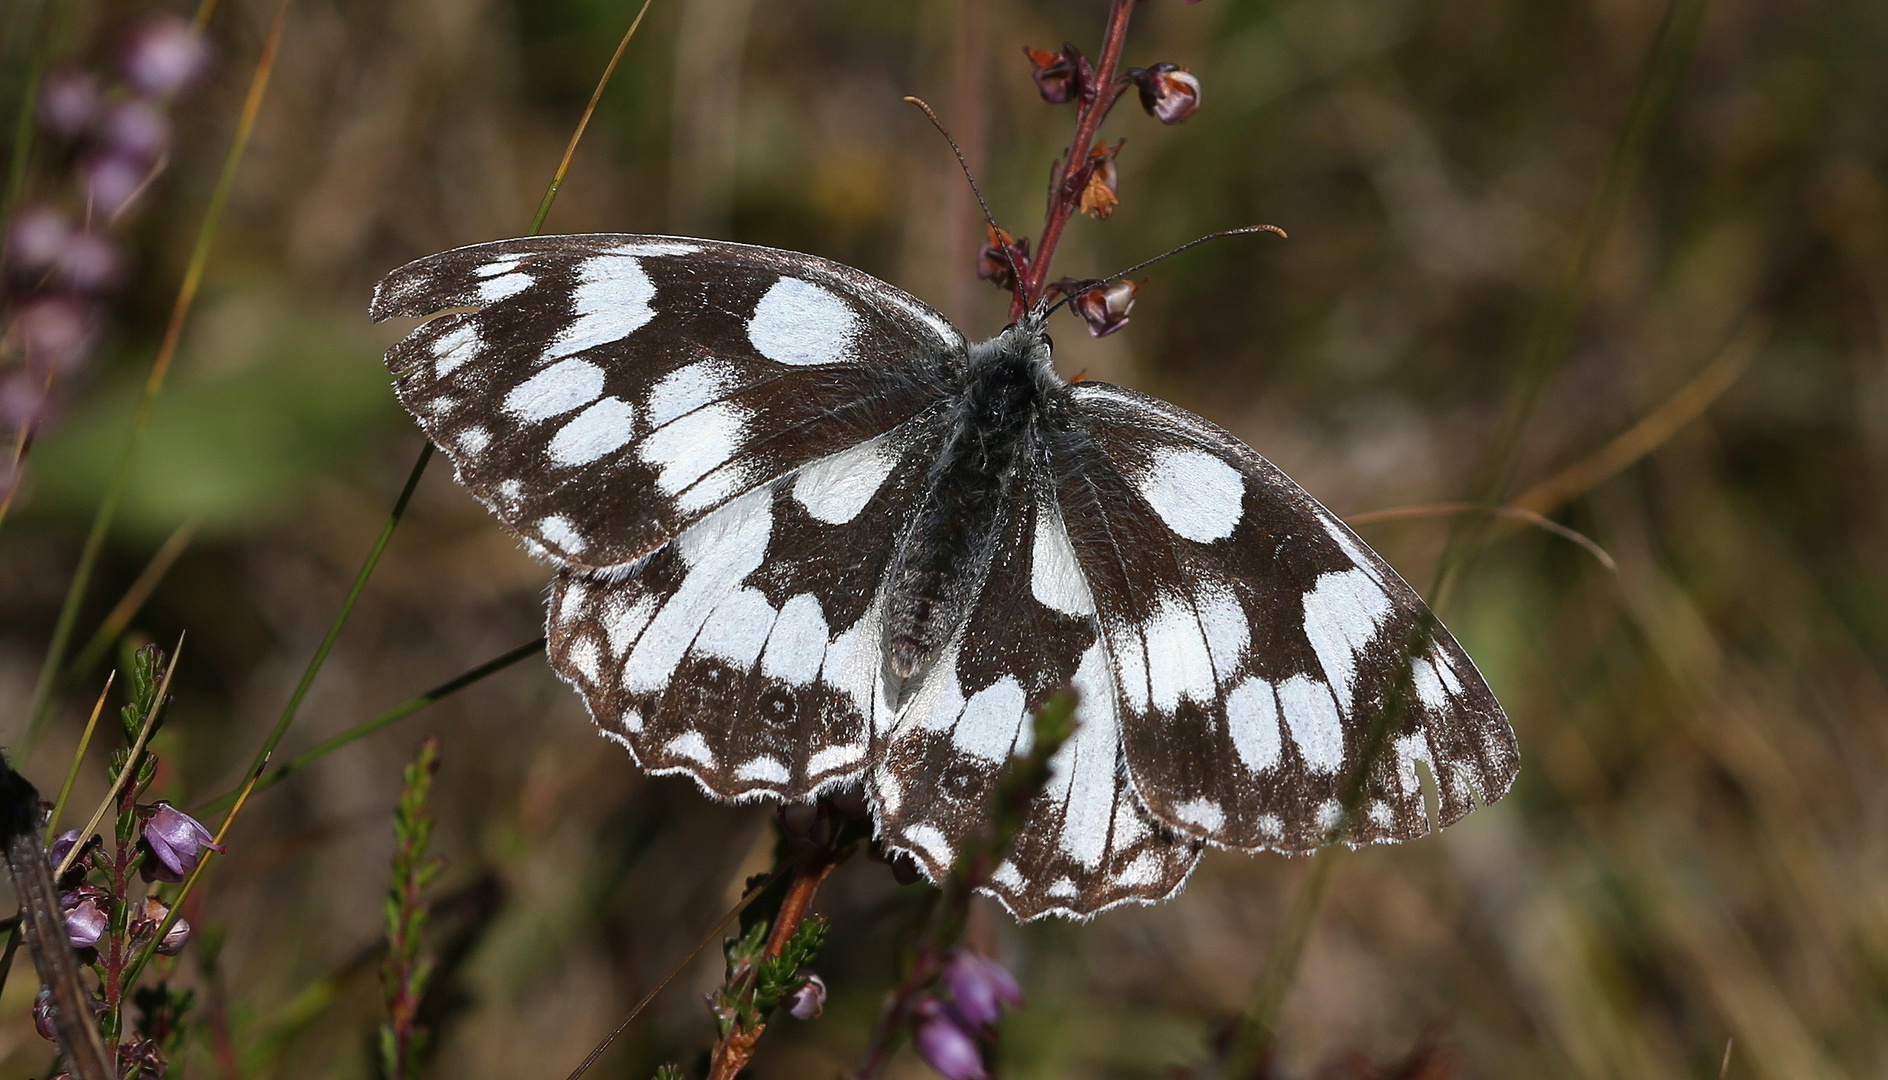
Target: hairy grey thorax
1007,387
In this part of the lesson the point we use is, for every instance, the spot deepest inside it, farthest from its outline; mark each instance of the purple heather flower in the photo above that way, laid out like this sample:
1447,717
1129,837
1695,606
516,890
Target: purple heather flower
68,100
55,332
36,241
177,842
164,56
980,988
948,1048
1168,93
42,1016
85,922
62,845
89,263
809,1000
136,129
22,404
111,181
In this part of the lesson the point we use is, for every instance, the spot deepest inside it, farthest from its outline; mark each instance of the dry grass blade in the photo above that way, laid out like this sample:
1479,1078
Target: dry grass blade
1515,513
1653,429
583,122
133,600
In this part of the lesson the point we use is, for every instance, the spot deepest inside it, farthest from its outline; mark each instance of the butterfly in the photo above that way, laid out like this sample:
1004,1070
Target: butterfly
807,536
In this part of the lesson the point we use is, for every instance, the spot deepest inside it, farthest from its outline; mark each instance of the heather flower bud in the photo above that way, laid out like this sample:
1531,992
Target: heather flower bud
89,263
1105,309
980,988
1098,194
1060,77
111,181
805,825
151,916
55,332
994,266
175,842
809,1000
164,56
85,921
135,129
68,100
36,240
948,1048
22,405
42,1016
1169,94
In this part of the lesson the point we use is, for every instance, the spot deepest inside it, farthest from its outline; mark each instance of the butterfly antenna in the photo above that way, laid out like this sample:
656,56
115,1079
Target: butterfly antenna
996,231
1112,278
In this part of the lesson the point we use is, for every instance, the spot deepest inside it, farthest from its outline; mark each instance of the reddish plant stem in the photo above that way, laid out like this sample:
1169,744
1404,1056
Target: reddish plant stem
732,1053
1071,173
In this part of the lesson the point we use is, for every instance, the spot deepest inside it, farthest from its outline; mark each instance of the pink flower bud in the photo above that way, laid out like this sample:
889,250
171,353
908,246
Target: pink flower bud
165,55
1169,94
85,923
948,1048
136,129
68,100
1105,310
89,263
35,241
1060,77
176,841
809,1000
111,181
42,1016
980,988
55,332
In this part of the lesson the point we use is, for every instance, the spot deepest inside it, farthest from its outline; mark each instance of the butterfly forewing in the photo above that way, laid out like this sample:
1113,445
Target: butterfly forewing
1266,661
611,390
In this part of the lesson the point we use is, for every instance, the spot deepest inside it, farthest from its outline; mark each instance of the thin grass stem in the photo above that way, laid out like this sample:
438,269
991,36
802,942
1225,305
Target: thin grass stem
43,691
1516,513
78,759
391,716
133,600
583,122
22,150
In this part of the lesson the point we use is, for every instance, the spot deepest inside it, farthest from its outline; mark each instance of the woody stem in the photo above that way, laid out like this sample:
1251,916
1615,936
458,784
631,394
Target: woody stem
1065,191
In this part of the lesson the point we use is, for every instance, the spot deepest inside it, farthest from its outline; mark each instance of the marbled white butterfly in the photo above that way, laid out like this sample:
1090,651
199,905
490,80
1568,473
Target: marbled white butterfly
806,536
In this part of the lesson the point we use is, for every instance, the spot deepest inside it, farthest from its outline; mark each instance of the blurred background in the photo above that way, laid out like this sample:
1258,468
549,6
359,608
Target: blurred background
1670,221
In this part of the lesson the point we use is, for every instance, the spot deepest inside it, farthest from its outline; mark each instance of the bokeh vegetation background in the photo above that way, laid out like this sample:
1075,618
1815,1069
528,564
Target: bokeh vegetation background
1697,850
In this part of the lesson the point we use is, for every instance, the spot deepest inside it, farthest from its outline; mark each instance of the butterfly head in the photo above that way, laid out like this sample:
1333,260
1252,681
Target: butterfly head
1024,345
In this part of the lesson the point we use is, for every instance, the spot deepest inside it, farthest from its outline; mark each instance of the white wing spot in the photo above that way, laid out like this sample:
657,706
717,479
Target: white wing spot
688,448
1201,812
555,391
1330,812
987,728
1130,661
1342,613
1144,870
1411,749
601,429
720,550
1252,721
1228,635
1179,665
1270,827
504,264
930,840
632,722
836,487
686,389
1196,494
798,643
511,494
503,288
472,440
692,746
455,347
1063,889
1380,813
737,629
623,622
559,531
712,489
801,323
583,657
765,769
1311,715
1082,774
612,302
1008,876
654,248
1429,689
834,757
1054,578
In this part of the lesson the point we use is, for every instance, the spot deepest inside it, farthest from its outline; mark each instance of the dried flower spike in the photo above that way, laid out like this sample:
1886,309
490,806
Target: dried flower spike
1060,77
994,266
1168,93
176,841
1098,194
1105,310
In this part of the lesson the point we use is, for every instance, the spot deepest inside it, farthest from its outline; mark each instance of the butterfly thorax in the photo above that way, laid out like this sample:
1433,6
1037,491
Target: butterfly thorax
1005,390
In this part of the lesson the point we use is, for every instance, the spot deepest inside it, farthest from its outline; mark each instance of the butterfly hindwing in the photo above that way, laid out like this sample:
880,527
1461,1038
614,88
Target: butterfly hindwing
746,653
611,390
1086,842
1259,647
